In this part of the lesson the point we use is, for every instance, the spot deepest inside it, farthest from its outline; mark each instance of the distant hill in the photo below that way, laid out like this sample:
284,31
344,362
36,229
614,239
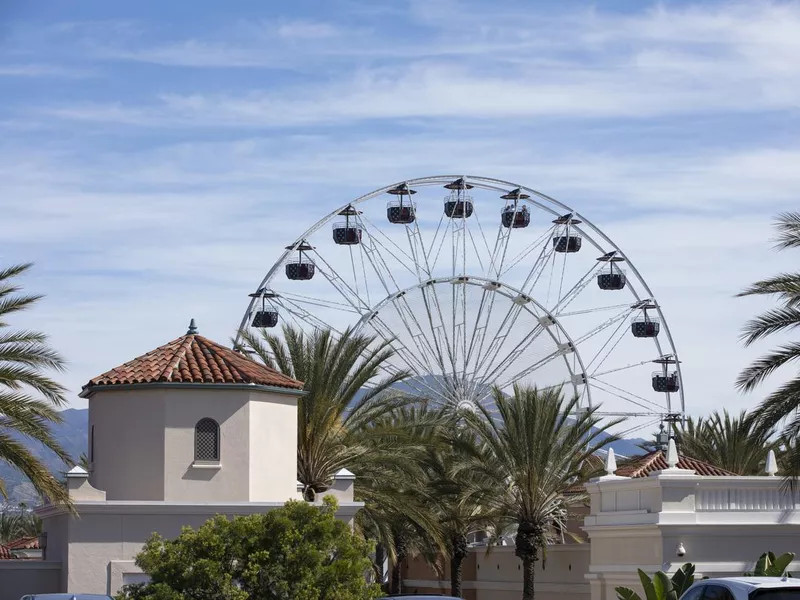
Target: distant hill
73,436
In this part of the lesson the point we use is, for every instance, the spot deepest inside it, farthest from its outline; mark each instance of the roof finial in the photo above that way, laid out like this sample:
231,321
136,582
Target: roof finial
611,462
192,328
771,467
672,454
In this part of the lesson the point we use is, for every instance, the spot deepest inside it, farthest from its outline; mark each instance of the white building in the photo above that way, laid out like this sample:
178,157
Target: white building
176,436
654,513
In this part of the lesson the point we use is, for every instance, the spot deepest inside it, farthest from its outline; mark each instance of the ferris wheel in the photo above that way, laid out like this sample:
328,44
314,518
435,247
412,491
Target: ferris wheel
477,282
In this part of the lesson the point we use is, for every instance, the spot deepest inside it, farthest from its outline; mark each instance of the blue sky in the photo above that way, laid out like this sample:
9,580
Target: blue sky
153,156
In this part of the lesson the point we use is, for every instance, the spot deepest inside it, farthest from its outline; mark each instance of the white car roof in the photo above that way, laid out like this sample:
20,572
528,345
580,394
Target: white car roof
749,584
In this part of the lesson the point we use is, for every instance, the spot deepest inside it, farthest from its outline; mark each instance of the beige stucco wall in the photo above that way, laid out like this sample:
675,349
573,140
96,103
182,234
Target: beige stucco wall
272,447
497,574
144,444
128,460
183,409
20,577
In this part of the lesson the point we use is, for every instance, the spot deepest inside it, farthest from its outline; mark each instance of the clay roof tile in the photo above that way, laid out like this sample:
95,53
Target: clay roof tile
193,358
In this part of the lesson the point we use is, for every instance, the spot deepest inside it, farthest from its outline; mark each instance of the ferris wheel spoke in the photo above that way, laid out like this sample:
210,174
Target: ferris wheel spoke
338,282
321,302
297,311
603,326
626,395
544,254
502,365
532,368
625,368
374,228
597,309
575,290
415,361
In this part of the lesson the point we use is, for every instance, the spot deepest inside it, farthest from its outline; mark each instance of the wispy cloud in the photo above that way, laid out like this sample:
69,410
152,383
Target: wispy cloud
44,70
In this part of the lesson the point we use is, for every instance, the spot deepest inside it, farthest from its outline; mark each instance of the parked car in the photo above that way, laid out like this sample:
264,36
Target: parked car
66,597
744,588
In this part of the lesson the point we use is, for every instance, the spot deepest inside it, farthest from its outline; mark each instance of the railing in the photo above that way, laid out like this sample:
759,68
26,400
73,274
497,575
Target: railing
767,499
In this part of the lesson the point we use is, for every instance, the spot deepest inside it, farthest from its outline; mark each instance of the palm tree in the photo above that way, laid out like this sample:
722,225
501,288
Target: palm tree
398,509
533,452
18,523
458,510
343,395
736,444
28,397
785,287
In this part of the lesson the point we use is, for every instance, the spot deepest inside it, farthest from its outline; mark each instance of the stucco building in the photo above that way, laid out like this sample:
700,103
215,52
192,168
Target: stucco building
187,431
654,513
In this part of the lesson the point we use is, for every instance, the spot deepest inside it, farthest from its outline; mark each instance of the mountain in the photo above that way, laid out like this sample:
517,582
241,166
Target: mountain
72,434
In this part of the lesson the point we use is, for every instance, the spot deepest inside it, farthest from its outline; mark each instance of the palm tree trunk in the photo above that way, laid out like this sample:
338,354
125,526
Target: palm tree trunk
458,552
380,560
528,578
529,536
397,575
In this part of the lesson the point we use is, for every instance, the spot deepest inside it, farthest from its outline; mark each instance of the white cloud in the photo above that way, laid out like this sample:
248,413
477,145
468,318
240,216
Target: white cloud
43,70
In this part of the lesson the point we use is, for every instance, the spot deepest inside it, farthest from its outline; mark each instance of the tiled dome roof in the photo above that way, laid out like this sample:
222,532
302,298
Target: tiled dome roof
193,359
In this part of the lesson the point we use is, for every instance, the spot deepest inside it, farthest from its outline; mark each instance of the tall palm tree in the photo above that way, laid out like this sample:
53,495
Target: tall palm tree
533,451
459,511
344,394
391,482
785,287
735,443
29,399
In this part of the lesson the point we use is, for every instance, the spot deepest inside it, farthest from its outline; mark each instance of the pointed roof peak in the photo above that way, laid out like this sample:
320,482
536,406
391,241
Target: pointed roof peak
611,462
771,468
672,454
77,471
193,358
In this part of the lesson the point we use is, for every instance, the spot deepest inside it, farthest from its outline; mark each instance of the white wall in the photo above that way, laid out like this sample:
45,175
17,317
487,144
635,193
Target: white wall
183,409
20,577
273,447
128,461
144,444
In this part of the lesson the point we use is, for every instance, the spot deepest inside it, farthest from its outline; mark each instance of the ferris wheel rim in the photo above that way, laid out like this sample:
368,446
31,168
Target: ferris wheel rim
499,185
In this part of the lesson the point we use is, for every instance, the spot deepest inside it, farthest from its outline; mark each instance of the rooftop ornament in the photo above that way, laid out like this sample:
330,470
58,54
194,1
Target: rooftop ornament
771,468
192,328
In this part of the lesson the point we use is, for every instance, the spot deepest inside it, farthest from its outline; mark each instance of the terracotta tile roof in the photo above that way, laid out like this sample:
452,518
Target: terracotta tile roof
642,466
5,553
193,359
26,543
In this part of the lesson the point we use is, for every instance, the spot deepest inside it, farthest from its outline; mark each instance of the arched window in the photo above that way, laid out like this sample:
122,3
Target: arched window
206,440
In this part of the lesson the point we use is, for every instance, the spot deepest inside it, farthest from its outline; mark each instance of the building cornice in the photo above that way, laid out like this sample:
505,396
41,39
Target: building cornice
87,392
133,507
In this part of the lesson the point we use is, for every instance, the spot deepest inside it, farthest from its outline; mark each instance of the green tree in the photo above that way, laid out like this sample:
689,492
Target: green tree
661,587
531,453
398,511
459,510
735,443
29,399
19,522
298,552
768,565
336,409
784,402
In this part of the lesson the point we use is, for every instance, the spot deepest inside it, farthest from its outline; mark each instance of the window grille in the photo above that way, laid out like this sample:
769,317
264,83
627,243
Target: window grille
206,440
